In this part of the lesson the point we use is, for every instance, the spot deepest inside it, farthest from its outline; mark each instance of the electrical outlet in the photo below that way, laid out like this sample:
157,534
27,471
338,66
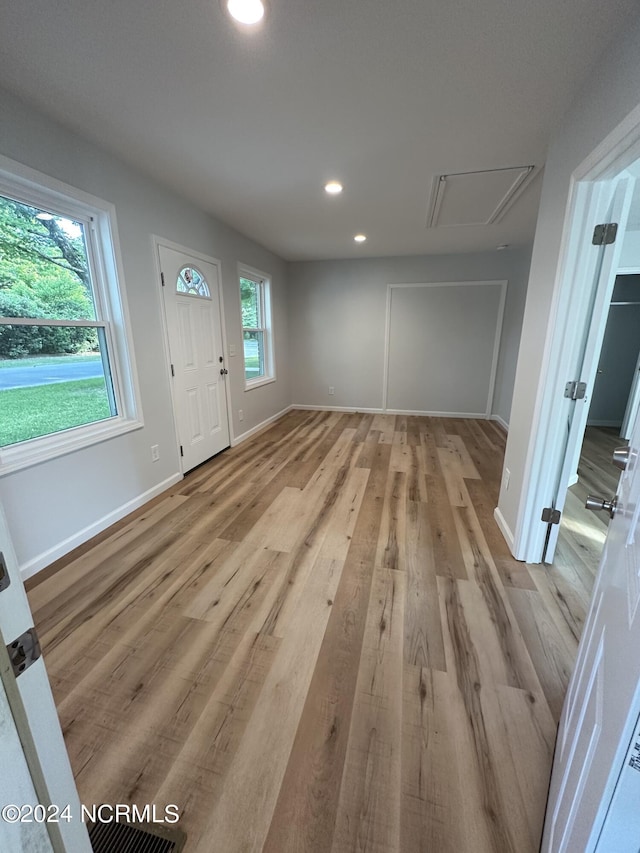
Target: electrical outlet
506,478
332,390
155,452
240,415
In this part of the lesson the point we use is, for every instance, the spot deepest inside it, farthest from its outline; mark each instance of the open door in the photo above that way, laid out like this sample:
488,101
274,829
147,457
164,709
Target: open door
592,319
594,793
633,403
35,764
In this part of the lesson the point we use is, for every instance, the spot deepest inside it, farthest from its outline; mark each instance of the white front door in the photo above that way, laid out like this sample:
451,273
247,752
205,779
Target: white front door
192,306
602,705
34,764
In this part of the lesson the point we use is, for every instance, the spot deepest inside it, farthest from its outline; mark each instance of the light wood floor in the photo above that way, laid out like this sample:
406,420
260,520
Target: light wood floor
319,643
583,531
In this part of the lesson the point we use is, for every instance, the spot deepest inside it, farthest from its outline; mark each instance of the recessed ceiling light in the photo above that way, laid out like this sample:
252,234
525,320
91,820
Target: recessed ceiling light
360,238
246,11
333,187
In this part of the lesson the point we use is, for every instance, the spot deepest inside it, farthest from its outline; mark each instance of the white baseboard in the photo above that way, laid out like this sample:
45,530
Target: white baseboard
501,421
36,564
368,411
573,480
597,423
475,415
307,408
238,439
504,529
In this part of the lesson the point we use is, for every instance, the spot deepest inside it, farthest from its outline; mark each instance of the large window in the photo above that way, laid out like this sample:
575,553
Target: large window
66,377
257,339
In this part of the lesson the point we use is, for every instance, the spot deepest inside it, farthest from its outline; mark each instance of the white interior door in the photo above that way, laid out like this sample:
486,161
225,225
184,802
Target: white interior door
194,323
16,787
588,351
34,761
633,404
603,700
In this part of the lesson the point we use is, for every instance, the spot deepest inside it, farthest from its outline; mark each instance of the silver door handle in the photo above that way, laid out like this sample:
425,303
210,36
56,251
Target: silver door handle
621,456
596,503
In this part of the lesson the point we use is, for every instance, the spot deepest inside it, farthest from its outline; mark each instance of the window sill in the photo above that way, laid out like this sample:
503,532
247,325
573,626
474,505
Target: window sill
19,456
257,383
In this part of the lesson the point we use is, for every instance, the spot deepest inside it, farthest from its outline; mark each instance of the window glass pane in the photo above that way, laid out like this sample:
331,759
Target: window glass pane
250,302
192,282
40,395
44,271
253,354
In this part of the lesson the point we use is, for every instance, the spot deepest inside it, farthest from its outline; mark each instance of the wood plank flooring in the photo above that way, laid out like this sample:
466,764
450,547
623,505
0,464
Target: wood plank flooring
318,643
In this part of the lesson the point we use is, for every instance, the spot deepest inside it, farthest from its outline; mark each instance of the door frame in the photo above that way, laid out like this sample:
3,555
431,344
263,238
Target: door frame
209,259
616,153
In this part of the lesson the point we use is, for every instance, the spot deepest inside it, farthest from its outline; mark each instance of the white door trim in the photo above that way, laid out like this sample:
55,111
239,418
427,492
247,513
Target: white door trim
178,247
496,345
615,154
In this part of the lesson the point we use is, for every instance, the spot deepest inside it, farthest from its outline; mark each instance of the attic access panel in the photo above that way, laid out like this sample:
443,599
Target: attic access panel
475,198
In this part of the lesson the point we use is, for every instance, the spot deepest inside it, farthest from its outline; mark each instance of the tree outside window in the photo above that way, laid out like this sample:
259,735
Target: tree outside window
67,378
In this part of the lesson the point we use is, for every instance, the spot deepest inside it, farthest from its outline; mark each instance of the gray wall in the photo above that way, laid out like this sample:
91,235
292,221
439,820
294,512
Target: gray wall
49,505
337,321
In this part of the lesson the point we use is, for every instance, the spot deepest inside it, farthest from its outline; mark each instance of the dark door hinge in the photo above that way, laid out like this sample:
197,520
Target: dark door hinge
5,580
173,373
162,278
551,515
605,234
575,390
181,451
24,651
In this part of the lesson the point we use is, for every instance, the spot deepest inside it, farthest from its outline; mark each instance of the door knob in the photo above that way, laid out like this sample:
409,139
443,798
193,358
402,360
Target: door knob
596,503
620,457
223,371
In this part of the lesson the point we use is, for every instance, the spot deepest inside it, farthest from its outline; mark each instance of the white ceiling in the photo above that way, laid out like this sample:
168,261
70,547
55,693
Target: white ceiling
382,95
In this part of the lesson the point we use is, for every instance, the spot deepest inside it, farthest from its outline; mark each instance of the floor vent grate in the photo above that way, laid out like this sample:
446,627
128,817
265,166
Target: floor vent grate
121,837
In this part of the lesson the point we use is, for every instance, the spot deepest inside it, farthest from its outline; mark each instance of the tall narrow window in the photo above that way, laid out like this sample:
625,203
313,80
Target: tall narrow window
256,327
65,380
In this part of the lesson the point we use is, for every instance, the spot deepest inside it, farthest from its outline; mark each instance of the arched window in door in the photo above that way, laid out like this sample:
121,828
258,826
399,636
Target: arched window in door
191,281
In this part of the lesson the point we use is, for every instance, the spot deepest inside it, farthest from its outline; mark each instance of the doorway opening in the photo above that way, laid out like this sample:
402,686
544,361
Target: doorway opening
612,409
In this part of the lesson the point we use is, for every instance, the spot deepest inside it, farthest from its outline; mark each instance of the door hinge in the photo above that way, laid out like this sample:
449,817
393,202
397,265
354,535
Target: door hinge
551,515
5,580
173,373
162,278
575,390
24,651
181,451
605,234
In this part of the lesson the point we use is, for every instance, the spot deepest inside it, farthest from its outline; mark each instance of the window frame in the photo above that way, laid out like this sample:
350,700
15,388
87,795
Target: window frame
98,218
263,280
